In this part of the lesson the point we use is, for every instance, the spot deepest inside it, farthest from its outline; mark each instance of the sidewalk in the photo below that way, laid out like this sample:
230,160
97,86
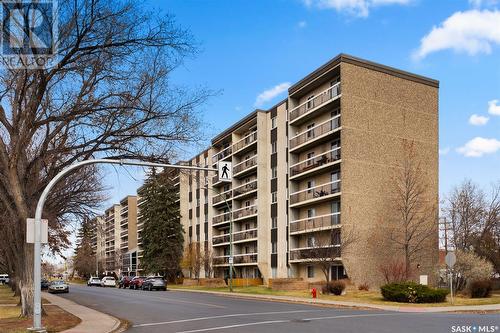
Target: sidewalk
488,307
92,321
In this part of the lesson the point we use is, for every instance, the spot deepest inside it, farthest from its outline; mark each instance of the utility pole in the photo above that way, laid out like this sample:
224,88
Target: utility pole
37,276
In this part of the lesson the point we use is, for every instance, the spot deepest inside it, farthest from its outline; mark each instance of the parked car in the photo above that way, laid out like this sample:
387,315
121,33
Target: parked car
154,283
94,281
58,286
45,284
136,282
4,278
108,281
124,282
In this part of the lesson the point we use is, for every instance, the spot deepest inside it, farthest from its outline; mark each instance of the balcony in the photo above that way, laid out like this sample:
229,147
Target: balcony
238,259
315,164
245,144
244,190
316,223
221,219
315,194
124,210
314,135
124,245
245,167
245,212
310,107
221,198
238,237
124,222
124,233
310,254
222,155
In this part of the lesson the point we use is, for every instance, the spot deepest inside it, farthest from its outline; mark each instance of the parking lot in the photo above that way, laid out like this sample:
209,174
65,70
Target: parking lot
187,312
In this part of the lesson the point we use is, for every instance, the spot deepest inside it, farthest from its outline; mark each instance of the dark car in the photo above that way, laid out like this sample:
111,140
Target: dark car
154,283
136,282
45,284
124,282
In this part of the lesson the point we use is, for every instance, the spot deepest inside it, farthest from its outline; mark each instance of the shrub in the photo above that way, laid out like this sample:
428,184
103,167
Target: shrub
364,286
411,292
334,287
480,288
393,271
471,268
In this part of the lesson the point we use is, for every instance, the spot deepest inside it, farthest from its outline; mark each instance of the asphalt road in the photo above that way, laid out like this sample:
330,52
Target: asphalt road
177,311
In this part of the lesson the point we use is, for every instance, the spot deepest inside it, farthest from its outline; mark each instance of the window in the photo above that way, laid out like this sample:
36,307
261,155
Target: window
310,130
310,158
310,272
274,247
274,147
197,202
227,187
274,172
310,102
274,222
273,122
247,203
274,197
311,212
310,185
311,241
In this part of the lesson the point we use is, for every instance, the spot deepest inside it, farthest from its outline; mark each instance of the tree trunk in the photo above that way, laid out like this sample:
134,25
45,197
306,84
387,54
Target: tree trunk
26,283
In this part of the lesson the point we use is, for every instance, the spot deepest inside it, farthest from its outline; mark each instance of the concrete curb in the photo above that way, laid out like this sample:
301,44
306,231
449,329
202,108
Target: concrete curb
92,321
416,309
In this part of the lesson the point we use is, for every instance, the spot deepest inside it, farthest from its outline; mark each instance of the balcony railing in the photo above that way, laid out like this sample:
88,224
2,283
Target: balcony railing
237,236
124,221
315,162
315,132
237,259
246,141
123,245
246,164
221,218
315,253
315,192
222,197
309,105
124,233
316,222
222,154
245,188
246,211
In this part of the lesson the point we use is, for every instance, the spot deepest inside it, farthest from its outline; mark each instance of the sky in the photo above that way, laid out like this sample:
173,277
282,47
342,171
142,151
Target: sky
252,51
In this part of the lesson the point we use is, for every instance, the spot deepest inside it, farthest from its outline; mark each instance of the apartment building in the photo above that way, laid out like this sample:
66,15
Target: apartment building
128,235
319,162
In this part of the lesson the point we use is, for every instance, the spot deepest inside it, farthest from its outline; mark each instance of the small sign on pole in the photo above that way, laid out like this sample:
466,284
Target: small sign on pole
231,260
225,171
30,231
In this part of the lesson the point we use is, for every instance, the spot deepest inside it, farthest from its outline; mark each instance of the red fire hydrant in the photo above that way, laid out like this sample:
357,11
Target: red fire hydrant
314,293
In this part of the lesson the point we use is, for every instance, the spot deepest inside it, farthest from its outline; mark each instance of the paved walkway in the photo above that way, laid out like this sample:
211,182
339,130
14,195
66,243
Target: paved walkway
92,321
431,309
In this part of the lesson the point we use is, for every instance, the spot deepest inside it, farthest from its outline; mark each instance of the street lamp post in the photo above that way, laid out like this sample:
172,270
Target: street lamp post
37,292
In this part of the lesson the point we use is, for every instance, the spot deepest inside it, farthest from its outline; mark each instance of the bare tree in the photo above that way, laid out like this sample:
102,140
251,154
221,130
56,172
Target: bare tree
208,258
109,96
193,259
415,215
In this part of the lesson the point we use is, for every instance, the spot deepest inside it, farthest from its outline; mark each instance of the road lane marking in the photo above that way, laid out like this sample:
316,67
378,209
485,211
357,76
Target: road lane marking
286,321
223,316
174,300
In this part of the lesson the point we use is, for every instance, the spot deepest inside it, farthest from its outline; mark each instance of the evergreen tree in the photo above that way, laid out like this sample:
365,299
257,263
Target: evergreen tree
162,234
84,261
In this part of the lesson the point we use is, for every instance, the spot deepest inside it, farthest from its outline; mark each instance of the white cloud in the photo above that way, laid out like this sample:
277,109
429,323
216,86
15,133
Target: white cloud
493,107
444,151
478,147
302,24
477,120
271,93
479,3
353,7
472,31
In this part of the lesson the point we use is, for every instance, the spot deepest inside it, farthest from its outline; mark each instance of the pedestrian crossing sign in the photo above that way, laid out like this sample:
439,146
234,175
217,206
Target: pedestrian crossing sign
225,171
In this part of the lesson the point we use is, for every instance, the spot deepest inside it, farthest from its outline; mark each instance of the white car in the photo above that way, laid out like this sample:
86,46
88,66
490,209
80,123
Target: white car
108,281
4,278
94,281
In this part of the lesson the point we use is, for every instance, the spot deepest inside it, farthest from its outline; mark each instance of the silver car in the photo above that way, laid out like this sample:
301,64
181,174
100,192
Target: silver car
58,286
154,283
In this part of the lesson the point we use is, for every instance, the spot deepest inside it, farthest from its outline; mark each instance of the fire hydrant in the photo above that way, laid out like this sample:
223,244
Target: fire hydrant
314,293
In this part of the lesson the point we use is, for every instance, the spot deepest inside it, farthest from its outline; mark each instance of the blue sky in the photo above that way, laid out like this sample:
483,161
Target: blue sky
252,48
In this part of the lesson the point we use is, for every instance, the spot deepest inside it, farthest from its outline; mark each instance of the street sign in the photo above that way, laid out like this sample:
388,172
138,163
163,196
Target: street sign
450,259
231,260
225,171
30,231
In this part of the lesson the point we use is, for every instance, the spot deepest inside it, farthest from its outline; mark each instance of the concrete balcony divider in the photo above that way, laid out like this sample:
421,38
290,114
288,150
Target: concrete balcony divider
310,105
